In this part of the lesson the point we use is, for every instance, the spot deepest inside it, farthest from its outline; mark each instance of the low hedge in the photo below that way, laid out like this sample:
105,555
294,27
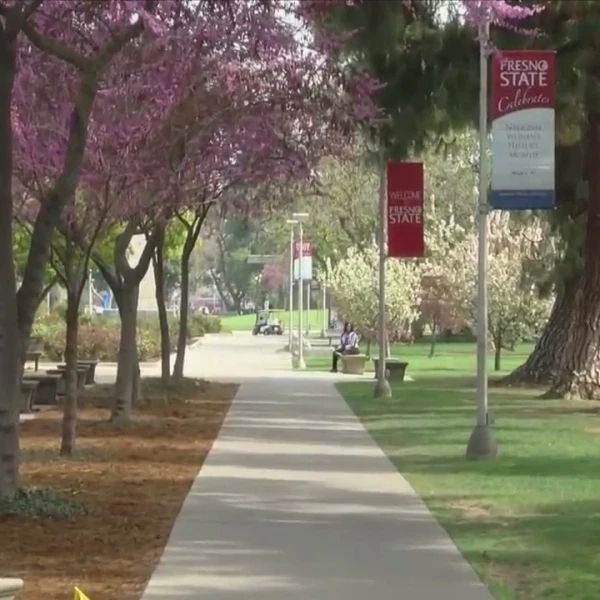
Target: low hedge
99,336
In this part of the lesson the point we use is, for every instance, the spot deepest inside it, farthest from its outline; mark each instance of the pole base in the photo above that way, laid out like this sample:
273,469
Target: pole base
481,445
301,365
382,389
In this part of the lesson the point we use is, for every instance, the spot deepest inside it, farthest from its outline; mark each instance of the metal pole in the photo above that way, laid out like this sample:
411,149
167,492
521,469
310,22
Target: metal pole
324,324
90,301
308,314
382,386
481,443
301,363
291,303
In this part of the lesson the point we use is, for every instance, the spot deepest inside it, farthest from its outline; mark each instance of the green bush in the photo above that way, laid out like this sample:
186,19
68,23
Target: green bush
99,336
199,325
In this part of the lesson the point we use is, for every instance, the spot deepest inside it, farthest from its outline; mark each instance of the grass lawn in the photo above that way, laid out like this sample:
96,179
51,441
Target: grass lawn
449,357
131,481
246,322
529,522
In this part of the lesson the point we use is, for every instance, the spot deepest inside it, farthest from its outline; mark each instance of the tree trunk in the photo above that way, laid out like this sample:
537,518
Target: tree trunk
579,375
184,308
497,351
163,320
550,352
433,340
69,422
52,206
10,350
128,366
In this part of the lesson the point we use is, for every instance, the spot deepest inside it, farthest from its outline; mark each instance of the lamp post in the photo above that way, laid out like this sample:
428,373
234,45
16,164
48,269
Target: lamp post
300,218
382,385
324,324
292,223
481,443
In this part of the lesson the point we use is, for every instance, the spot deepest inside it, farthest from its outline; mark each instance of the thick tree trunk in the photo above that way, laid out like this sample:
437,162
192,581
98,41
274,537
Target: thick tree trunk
184,308
10,351
69,422
127,366
163,320
579,376
550,353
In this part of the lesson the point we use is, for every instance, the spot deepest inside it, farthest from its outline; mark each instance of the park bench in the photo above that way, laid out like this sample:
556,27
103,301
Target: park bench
34,357
395,369
353,364
27,395
46,391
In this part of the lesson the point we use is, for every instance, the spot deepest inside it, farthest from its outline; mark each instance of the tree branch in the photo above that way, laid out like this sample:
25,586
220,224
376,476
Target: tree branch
53,47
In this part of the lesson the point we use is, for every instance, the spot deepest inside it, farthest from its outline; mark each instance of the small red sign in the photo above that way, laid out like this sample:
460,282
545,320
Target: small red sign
522,79
306,249
405,182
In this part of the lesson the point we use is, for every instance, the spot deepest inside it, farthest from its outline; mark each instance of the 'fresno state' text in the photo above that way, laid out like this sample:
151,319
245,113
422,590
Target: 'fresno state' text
405,214
522,72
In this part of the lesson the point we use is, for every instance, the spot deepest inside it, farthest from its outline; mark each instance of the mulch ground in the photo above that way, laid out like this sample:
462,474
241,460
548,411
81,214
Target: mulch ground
132,480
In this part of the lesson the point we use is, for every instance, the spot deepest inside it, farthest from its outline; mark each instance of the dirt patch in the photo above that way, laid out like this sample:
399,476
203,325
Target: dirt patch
132,480
470,510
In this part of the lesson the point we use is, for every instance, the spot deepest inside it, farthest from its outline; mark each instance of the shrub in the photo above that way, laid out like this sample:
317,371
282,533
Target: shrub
200,324
99,336
39,502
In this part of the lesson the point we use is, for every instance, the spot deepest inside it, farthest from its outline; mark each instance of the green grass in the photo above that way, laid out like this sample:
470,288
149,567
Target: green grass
246,322
529,522
449,357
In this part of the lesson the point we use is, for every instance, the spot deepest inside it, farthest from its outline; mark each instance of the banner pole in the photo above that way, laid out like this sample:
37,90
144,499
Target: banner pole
382,386
481,444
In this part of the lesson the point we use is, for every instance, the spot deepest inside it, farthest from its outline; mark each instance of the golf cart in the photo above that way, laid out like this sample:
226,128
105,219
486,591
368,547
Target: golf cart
267,323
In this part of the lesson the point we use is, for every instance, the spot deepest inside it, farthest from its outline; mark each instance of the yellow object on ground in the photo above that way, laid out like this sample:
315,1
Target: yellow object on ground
78,594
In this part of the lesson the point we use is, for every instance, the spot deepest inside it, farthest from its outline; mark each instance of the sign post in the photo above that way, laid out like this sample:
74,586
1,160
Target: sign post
401,225
481,444
522,113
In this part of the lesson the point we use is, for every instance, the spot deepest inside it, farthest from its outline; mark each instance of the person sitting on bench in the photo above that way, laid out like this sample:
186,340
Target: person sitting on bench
348,345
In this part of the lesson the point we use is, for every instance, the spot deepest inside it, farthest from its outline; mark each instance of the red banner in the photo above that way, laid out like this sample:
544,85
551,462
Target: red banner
521,80
405,210
306,249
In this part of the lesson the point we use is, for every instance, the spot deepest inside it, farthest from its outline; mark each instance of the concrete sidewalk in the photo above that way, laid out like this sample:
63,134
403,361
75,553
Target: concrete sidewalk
296,502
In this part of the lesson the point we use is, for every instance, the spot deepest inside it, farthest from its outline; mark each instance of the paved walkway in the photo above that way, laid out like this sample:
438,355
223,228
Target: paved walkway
296,502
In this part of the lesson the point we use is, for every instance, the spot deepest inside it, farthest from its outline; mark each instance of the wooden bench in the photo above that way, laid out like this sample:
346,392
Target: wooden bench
34,357
353,364
27,394
46,391
395,369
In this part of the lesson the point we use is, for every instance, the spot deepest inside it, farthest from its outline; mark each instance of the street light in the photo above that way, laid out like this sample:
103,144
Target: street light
292,223
481,443
382,386
300,218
